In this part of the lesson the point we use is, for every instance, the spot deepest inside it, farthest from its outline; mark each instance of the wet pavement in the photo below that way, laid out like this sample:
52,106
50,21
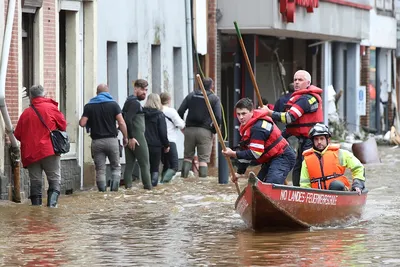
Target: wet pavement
192,222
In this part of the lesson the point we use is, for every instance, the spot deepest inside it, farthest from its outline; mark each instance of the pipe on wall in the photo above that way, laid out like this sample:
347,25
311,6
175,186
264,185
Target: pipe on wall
3,72
14,150
189,46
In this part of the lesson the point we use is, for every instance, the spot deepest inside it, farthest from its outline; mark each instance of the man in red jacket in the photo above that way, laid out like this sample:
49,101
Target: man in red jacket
302,112
37,150
261,143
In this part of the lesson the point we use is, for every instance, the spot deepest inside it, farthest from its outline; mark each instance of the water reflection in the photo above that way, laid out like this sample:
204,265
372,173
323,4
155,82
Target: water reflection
35,235
335,247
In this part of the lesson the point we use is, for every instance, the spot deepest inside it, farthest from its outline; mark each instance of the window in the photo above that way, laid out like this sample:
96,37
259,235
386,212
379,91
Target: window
28,50
156,69
112,68
133,63
178,82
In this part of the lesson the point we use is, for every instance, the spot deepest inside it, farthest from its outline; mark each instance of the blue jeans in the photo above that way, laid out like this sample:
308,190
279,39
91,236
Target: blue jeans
276,170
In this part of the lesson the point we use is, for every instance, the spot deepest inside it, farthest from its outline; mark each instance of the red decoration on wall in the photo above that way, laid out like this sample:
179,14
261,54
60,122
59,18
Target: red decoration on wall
288,7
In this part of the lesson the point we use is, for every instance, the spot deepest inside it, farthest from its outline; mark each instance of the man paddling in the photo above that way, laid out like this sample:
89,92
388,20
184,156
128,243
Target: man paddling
325,163
261,143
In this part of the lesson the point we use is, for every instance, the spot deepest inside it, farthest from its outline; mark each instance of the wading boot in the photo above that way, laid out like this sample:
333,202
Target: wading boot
101,186
168,174
36,200
154,178
203,171
52,198
114,185
186,167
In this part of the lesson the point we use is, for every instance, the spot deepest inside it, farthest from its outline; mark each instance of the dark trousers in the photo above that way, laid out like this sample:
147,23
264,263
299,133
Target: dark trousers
170,159
276,170
141,153
155,153
304,144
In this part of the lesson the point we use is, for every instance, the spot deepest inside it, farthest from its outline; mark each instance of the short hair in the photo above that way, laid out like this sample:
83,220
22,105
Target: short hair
305,74
141,83
36,91
245,103
165,97
207,82
153,101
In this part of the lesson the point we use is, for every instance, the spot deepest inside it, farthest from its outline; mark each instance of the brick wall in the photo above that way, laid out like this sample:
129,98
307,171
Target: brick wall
12,67
212,39
49,35
364,80
212,56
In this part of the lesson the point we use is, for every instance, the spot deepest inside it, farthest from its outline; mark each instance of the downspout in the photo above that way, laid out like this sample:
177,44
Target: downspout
189,46
14,150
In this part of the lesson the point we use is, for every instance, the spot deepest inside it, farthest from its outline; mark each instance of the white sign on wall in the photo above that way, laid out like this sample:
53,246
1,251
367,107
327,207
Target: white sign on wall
361,101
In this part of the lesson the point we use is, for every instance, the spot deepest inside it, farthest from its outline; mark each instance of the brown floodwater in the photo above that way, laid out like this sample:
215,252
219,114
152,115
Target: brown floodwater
192,222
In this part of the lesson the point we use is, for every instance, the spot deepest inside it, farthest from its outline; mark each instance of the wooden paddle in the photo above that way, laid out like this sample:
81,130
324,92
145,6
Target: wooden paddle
219,134
253,78
246,58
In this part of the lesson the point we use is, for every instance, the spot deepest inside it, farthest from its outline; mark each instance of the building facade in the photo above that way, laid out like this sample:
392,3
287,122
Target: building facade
282,37
70,46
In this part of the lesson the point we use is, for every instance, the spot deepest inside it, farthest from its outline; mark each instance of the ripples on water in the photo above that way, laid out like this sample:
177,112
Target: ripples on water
192,223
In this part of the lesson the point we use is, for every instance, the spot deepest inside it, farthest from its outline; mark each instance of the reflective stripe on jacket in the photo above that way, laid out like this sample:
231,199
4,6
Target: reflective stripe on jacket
303,124
274,146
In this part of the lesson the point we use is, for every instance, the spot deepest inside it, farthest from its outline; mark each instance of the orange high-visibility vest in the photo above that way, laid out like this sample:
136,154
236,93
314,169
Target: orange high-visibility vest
325,169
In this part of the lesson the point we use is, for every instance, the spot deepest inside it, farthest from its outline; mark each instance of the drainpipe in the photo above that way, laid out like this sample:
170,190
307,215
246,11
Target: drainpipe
189,46
14,150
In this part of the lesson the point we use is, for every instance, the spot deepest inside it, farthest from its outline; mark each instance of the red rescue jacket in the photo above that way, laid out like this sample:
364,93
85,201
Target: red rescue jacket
302,125
274,146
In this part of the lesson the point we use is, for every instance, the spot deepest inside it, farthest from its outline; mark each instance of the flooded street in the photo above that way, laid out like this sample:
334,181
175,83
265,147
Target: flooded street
192,222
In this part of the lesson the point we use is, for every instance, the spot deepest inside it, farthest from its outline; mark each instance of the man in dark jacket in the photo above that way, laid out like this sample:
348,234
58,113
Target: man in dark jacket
37,152
199,129
99,116
137,145
281,102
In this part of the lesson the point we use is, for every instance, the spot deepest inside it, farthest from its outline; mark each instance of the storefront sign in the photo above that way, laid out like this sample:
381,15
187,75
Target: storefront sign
288,7
362,101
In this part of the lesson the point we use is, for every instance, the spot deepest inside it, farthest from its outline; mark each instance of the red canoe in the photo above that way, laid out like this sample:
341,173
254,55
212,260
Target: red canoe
268,206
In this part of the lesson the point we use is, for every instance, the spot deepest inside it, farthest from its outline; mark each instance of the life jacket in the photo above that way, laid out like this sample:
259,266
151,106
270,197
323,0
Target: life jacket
302,125
326,169
274,146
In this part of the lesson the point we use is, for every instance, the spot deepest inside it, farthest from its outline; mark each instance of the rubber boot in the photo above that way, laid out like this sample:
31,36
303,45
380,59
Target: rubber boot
186,167
36,200
203,171
101,186
168,174
52,198
162,175
154,178
114,185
